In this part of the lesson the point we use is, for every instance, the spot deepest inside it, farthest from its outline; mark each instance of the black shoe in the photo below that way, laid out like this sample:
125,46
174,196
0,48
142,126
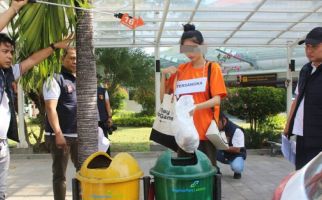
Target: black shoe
237,176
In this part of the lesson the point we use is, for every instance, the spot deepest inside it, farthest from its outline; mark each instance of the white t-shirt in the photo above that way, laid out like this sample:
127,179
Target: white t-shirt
298,120
238,139
51,91
5,114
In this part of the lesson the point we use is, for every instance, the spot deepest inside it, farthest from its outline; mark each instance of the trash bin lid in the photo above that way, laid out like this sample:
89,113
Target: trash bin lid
168,166
101,168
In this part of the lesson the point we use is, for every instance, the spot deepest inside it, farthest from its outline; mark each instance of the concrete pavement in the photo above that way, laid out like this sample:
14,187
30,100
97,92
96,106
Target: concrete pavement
30,177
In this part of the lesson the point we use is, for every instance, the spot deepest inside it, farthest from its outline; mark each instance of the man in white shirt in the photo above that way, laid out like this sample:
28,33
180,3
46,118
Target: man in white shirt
305,118
235,155
8,75
61,127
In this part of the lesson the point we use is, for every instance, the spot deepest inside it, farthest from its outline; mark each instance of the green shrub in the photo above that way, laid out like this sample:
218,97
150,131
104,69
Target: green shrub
255,104
134,121
117,97
275,123
259,140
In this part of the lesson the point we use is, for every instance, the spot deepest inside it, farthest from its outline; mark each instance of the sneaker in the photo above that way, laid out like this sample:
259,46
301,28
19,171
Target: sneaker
237,176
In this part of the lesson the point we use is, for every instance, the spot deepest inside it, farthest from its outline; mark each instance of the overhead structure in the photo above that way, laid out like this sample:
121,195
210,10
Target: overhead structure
224,23
260,35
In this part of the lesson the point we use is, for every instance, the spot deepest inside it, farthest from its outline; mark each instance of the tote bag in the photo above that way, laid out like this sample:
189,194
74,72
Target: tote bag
162,132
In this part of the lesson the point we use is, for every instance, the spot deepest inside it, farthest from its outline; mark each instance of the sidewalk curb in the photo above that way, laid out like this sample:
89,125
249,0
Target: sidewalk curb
27,154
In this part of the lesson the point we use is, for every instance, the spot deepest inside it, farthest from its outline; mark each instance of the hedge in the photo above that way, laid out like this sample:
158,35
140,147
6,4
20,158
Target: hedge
134,121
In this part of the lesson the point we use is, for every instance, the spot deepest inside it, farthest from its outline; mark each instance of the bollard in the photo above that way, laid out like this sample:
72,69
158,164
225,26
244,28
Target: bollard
146,186
217,187
75,189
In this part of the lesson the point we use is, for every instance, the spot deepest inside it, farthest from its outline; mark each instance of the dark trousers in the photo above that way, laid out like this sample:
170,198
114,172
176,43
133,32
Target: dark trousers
304,153
209,149
60,161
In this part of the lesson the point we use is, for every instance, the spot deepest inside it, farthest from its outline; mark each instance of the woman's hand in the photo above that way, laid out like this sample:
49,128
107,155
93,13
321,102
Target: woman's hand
169,70
193,110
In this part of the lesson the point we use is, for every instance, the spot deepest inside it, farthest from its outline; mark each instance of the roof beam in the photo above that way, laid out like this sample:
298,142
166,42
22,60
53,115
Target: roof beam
209,10
176,37
194,11
110,45
212,20
164,18
296,23
247,18
133,7
201,29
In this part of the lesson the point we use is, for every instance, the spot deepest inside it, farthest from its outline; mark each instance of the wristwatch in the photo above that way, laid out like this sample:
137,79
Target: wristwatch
52,45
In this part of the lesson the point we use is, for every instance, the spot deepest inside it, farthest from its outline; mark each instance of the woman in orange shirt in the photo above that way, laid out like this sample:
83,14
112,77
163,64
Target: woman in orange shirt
192,80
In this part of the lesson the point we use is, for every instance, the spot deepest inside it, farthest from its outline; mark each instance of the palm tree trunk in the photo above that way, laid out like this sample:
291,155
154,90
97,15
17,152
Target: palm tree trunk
86,87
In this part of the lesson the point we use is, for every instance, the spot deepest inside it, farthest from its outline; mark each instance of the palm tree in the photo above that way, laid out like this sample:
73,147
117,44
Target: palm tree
86,86
37,26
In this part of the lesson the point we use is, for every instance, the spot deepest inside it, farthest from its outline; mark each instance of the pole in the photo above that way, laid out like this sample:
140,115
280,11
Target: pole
21,125
289,80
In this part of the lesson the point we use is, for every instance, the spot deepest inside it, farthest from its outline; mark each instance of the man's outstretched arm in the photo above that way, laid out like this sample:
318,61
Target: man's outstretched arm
5,17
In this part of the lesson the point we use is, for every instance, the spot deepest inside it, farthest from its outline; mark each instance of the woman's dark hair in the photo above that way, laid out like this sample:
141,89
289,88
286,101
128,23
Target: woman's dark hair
4,38
192,34
222,116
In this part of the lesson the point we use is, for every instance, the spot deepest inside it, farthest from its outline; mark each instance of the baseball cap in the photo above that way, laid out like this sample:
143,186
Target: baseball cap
313,37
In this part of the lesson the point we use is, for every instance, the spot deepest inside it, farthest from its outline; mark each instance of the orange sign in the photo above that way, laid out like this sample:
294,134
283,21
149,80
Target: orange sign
131,22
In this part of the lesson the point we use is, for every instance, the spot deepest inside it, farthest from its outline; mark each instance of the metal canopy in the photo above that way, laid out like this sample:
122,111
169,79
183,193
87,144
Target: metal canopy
224,23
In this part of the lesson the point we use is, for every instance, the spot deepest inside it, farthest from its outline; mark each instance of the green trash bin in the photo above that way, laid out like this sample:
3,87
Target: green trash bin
183,178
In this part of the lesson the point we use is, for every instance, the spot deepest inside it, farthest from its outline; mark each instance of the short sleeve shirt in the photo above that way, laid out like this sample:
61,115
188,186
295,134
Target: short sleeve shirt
202,118
238,139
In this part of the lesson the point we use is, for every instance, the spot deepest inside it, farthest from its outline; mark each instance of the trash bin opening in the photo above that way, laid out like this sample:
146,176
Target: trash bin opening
183,161
99,161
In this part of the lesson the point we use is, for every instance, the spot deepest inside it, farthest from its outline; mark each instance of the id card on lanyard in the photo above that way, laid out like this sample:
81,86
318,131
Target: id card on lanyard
191,86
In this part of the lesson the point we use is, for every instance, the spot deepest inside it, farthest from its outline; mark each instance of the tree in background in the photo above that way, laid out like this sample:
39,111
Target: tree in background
130,68
255,104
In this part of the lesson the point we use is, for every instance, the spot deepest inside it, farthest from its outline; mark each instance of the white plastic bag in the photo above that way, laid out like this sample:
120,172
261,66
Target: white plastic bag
289,148
103,142
186,134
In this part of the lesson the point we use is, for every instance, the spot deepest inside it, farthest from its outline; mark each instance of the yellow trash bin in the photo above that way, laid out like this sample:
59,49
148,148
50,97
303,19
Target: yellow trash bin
106,178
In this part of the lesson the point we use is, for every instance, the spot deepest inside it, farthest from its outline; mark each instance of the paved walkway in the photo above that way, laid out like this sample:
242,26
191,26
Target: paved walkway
30,178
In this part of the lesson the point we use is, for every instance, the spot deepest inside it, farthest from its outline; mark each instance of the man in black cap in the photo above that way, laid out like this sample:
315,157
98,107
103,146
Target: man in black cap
305,119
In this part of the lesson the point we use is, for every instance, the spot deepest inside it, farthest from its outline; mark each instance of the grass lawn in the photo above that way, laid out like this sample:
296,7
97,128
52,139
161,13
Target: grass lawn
134,139
130,139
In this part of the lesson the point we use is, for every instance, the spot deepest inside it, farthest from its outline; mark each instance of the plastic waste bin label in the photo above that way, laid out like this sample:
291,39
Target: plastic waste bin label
193,187
108,195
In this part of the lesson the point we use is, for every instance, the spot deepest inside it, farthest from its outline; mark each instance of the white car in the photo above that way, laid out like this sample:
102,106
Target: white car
304,184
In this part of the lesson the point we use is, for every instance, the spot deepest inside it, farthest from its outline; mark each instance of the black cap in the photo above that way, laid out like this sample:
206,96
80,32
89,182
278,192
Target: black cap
313,37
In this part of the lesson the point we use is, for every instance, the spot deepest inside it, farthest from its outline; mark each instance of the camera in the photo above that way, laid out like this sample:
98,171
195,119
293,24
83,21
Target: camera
112,128
106,128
